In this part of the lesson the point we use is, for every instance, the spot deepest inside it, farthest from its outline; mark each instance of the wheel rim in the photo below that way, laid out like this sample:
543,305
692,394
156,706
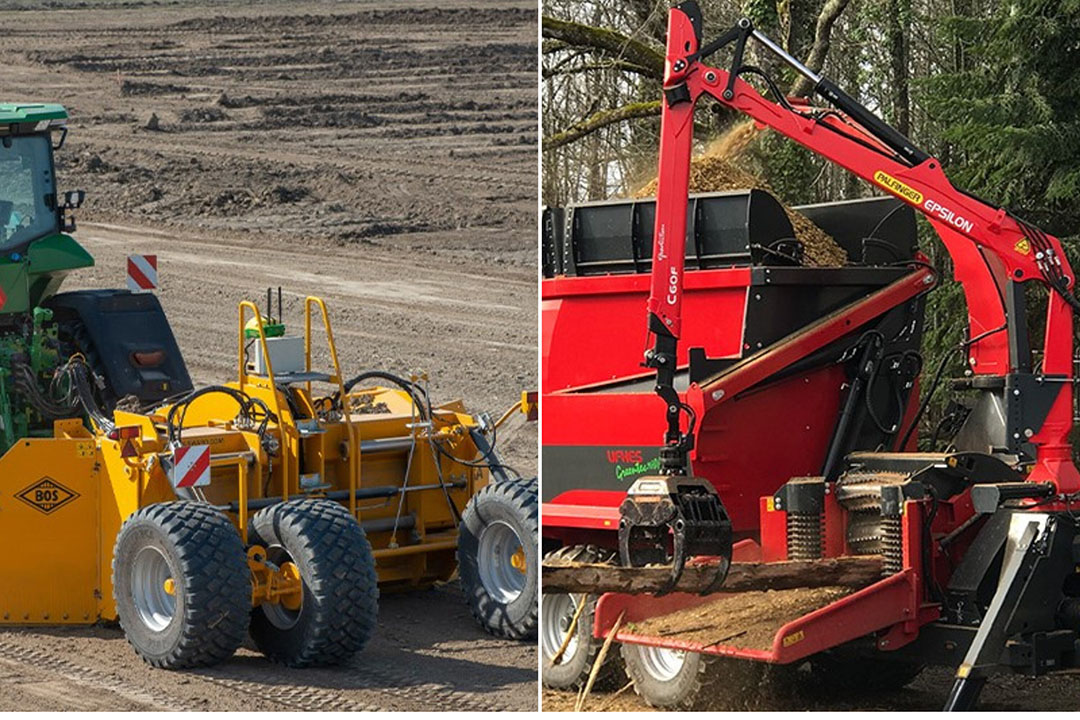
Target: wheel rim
153,589
661,663
501,570
280,616
558,612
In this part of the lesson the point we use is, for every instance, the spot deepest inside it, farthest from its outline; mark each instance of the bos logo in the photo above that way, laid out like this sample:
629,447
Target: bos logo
47,495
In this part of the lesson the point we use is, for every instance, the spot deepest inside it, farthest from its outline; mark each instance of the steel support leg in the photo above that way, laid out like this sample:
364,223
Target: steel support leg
1022,551
498,471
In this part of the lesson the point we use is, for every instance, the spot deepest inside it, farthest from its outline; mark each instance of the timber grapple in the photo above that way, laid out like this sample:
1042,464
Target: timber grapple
666,519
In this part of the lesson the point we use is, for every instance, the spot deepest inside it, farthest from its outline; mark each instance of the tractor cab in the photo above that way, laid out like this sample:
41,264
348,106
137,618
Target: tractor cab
29,207
36,251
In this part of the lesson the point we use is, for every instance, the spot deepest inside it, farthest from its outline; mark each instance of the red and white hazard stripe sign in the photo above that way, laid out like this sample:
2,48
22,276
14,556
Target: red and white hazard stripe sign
142,273
191,466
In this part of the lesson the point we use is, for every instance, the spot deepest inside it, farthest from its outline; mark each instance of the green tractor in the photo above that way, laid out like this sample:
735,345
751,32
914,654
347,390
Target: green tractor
122,341
35,251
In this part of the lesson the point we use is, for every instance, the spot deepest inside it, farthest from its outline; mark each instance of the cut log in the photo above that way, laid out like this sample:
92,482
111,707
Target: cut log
592,578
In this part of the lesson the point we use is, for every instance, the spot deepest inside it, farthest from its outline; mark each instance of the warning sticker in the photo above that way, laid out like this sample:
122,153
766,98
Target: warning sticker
47,495
793,638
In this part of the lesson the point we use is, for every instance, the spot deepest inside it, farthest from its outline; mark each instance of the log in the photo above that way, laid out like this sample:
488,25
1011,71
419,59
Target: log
593,578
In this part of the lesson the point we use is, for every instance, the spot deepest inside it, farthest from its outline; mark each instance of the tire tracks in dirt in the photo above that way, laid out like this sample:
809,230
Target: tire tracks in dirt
81,675
295,697
410,689
413,687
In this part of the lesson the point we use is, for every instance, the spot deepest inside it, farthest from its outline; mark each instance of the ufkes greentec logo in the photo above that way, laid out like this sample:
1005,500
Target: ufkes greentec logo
629,464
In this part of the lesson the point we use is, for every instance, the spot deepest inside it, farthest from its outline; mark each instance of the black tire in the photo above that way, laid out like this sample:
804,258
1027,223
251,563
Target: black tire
502,603
199,550
340,606
839,672
580,655
688,688
74,339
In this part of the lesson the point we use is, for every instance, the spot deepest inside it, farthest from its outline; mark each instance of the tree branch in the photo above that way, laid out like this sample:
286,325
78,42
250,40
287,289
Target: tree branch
815,60
635,56
602,65
600,120
602,39
554,46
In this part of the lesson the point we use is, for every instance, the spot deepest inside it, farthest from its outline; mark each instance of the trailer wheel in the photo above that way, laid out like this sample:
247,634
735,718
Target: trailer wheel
670,679
846,673
181,585
497,558
340,602
557,612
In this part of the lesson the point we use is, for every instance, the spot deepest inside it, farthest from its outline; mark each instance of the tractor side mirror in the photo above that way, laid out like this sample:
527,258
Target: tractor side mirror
74,199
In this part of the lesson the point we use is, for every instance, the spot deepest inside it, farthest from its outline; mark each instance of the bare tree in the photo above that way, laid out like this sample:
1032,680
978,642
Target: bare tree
609,127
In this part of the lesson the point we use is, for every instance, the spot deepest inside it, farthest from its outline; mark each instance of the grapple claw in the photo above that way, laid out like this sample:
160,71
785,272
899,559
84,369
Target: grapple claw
667,519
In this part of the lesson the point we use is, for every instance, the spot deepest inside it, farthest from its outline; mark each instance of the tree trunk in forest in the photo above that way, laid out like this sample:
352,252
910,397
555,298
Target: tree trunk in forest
898,29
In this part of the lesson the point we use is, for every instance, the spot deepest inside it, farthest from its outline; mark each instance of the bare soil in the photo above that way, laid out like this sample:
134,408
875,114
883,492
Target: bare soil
927,692
427,655
379,154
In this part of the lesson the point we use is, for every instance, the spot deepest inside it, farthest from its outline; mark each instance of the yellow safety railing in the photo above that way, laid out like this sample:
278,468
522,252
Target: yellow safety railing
350,429
243,381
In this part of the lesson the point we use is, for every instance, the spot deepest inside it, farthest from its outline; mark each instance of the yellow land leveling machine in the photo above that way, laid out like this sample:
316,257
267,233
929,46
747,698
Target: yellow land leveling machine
277,504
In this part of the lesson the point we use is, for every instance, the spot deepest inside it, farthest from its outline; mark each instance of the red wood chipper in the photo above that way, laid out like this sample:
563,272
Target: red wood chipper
788,483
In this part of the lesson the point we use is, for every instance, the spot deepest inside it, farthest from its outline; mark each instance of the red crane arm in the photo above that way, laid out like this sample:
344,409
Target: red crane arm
989,247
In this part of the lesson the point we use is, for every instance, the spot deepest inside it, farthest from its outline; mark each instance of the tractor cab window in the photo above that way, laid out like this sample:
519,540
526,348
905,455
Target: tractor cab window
27,190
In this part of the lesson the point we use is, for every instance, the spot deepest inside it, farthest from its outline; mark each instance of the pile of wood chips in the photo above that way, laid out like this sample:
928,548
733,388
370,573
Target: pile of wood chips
742,620
716,171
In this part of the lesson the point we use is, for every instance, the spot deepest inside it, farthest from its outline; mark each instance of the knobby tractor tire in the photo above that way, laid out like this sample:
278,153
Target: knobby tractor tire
557,611
499,529
181,585
835,672
691,681
73,339
340,605
670,679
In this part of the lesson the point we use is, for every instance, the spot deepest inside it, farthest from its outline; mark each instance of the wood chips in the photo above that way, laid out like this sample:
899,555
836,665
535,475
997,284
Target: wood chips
743,620
716,171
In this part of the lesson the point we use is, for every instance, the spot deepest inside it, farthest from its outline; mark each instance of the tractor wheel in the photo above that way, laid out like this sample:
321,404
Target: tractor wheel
669,679
74,339
339,607
835,672
181,585
557,611
497,558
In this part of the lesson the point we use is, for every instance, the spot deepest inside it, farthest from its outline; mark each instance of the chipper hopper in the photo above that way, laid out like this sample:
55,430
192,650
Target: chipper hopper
773,526
279,503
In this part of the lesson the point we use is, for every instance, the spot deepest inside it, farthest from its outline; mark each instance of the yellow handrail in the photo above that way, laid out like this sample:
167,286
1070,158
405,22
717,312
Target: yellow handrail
243,380
350,430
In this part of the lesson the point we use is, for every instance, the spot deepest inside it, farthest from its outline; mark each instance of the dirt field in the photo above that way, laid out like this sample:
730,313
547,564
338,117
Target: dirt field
381,155
929,691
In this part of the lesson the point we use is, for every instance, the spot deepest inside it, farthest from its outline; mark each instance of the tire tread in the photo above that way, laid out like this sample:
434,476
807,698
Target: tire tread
216,583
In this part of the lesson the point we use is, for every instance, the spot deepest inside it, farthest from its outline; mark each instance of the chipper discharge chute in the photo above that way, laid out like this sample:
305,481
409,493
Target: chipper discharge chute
278,504
885,559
